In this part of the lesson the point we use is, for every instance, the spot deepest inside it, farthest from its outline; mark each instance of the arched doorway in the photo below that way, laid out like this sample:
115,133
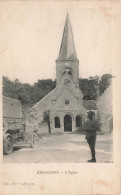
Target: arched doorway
67,123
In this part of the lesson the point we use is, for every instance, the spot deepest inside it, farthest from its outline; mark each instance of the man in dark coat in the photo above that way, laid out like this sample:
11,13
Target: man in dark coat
91,127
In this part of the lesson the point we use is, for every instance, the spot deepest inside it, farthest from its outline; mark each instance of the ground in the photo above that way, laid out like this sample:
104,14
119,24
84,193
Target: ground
65,148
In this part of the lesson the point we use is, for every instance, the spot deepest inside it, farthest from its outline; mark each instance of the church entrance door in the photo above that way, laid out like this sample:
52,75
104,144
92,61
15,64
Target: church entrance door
67,123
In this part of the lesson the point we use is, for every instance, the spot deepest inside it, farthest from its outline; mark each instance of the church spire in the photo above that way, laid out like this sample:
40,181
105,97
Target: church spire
67,49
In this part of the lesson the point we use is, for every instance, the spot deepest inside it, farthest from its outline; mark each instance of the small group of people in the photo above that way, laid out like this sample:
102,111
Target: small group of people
91,127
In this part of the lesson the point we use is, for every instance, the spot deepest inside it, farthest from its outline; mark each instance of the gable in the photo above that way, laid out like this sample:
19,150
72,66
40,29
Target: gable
67,101
75,90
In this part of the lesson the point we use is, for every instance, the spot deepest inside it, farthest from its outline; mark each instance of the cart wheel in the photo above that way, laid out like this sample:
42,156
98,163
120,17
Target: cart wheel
8,145
32,142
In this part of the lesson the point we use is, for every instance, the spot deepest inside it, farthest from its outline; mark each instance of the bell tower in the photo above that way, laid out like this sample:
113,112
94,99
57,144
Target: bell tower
67,64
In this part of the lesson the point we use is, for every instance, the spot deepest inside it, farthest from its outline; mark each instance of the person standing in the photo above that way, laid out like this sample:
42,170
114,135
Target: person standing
91,127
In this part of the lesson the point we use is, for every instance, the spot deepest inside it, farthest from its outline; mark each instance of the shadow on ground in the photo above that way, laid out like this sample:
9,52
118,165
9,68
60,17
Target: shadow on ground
16,148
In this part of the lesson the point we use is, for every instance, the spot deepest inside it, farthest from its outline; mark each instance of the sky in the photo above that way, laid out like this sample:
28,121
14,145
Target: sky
31,34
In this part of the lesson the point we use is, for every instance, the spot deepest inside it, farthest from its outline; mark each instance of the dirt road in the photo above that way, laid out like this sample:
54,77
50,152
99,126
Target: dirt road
68,147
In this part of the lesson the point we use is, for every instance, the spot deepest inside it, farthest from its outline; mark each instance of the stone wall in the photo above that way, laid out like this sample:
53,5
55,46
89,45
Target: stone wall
43,128
105,110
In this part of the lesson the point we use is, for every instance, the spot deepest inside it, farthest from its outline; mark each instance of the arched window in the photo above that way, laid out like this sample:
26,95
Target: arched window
57,122
78,121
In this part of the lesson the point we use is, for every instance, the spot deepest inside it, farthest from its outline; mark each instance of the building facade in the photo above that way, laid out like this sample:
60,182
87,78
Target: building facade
64,103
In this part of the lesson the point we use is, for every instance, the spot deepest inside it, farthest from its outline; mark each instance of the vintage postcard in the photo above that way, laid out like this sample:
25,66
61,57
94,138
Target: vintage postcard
60,97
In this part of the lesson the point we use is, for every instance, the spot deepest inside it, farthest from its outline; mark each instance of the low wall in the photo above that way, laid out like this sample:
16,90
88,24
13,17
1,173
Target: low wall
43,128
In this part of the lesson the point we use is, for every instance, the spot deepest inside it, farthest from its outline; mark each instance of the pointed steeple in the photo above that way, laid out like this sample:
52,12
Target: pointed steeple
67,49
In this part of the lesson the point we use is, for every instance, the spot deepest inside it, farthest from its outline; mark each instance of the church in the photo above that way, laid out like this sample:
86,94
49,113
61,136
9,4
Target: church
67,109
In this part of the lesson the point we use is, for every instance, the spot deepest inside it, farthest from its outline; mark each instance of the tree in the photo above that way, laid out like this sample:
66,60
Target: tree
104,82
31,94
46,85
46,118
83,84
89,87
26,93
8,87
